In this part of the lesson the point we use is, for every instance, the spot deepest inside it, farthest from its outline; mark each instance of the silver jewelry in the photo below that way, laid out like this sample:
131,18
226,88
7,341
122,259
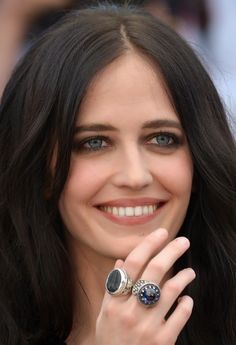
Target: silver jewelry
147,293
118,282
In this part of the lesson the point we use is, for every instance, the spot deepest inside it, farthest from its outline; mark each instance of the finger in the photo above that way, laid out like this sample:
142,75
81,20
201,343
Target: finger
173,288
179,317
165,259
118,264
138,258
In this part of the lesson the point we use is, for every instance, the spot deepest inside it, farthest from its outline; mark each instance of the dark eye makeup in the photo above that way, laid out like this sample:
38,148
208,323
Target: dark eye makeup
164,139
160,140
90,144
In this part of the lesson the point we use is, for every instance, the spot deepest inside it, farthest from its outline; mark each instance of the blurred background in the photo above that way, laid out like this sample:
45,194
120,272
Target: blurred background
209,26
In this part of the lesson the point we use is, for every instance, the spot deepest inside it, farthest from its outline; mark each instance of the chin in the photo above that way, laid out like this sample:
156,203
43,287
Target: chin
122,250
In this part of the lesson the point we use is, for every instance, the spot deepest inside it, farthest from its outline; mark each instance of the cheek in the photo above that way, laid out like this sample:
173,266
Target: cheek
176,174
85,179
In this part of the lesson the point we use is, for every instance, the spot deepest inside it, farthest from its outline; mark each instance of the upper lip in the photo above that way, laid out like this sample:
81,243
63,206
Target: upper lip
131,202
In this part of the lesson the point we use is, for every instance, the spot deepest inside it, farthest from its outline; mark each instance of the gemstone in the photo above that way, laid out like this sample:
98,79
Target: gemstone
149,294
113,281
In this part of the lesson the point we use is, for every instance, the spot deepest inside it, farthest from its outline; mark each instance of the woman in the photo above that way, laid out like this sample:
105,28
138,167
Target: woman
115,156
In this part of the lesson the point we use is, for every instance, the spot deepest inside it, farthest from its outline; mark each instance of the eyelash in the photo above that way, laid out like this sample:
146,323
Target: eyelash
176,140
79,146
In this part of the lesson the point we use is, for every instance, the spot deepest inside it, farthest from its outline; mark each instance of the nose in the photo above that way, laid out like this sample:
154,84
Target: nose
132,170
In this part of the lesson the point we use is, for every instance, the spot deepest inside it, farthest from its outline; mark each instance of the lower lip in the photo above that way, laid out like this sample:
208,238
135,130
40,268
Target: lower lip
131,220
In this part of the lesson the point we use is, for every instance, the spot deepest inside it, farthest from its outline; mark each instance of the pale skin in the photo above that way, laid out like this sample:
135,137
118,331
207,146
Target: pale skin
141,156
133,324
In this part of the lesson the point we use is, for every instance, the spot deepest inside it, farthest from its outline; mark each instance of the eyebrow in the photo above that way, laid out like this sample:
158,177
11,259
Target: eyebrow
162,123
97,127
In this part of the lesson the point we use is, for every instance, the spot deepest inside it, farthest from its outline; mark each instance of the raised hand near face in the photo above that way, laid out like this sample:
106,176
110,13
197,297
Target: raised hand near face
127,319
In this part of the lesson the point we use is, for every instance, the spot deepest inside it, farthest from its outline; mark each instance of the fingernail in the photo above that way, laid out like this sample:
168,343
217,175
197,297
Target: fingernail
183,241
192,271
162,231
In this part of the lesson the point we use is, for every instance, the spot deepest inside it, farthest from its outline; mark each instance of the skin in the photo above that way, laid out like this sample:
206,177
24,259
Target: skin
129,163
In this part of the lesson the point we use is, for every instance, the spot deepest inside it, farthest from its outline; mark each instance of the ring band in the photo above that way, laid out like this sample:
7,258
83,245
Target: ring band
148,293
118,282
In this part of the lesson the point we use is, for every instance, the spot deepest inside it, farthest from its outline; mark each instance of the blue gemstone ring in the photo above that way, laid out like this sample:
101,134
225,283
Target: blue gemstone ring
148,293
118,282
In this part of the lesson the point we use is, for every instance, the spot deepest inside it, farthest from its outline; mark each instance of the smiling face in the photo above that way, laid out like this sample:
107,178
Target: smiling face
131,169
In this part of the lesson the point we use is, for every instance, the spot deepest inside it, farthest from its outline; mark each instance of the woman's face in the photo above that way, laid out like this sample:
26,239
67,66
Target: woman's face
131,170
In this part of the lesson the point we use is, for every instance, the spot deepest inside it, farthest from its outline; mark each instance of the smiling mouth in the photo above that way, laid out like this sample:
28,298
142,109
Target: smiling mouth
137,211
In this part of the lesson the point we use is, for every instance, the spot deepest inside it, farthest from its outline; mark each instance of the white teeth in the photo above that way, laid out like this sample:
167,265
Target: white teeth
130,211
138,211
121,211
115,211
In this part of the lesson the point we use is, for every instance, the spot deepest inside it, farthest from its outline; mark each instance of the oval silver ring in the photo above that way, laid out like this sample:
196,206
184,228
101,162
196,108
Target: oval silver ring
118,282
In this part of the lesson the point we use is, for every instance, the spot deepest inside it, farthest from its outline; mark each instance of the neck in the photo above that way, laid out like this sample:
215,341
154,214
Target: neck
90,272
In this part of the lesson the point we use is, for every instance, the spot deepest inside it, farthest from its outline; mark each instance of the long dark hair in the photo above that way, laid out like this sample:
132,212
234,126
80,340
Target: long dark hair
38,112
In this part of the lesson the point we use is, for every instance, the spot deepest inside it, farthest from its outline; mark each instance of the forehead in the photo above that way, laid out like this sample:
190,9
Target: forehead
130,87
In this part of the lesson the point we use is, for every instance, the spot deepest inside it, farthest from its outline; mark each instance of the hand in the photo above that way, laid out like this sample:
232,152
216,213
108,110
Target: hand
123,320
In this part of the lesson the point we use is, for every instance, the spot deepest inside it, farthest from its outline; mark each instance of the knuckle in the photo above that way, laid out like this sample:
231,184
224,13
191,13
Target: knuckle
157,267
172,287
146,334
133,263
128,320
110,311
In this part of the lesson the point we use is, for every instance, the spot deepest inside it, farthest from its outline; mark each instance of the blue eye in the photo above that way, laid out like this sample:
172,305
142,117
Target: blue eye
90,144
164,140
94,144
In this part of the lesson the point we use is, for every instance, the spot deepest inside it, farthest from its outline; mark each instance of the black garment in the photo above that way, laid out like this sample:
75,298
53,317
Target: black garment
52,341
